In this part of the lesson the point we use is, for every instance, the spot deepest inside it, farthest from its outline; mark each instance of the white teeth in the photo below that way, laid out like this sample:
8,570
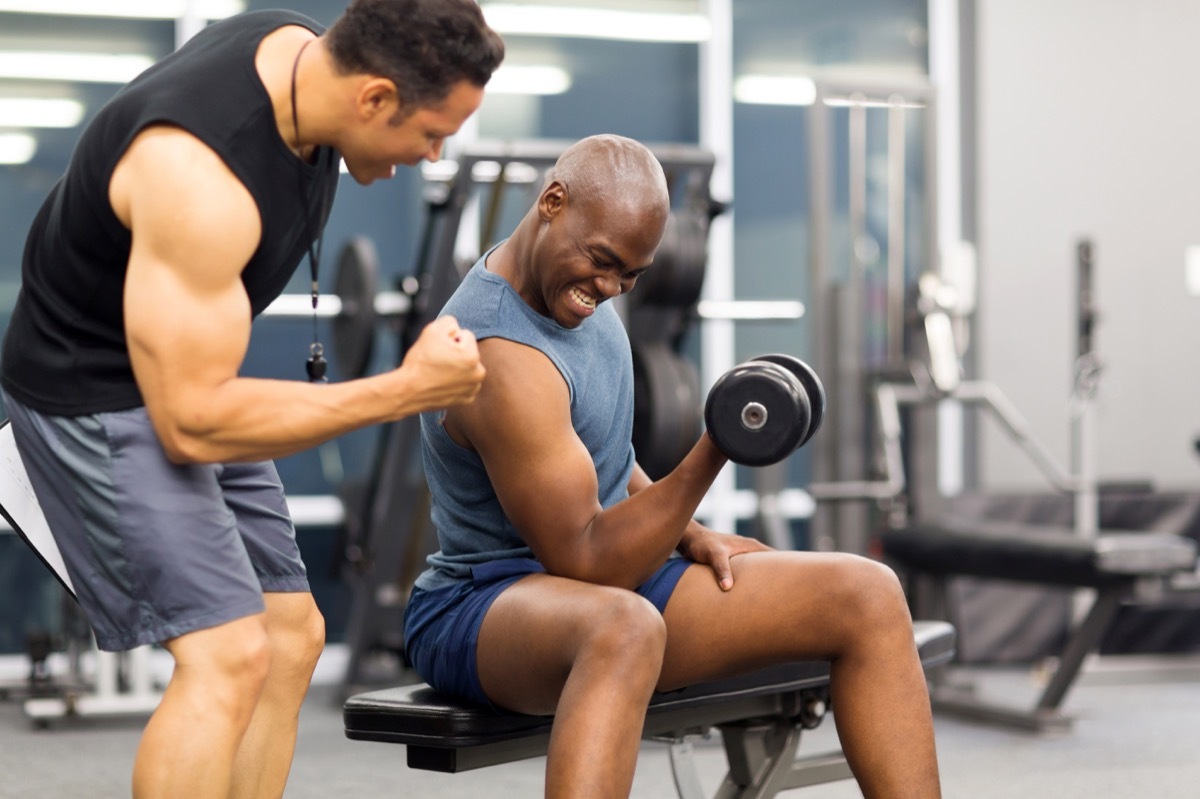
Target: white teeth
583,299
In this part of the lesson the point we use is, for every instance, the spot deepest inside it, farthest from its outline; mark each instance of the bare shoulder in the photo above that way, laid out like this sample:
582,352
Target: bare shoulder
520,370
171,184
522,391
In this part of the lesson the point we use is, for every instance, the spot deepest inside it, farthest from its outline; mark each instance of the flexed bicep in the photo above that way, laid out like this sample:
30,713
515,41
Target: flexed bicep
187,316
543,475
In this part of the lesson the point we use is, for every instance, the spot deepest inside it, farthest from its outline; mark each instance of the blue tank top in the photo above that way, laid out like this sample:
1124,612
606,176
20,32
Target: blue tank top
595,361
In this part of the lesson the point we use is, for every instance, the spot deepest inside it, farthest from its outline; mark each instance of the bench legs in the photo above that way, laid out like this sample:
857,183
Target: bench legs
1046,714
762,762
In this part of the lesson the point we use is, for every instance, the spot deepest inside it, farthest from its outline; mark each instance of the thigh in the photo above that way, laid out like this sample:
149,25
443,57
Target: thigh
151,547
441,625
783,606
534,631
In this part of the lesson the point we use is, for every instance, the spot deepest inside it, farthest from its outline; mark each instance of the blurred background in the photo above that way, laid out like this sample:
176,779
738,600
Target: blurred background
858,145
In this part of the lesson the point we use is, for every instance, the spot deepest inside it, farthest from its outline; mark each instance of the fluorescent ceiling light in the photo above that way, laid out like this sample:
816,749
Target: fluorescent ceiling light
82,67
16,148
596,23
775,90
30,112
126,9
529,80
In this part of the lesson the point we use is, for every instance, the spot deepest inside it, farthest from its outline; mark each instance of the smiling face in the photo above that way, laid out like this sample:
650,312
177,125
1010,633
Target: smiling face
389,136
588,251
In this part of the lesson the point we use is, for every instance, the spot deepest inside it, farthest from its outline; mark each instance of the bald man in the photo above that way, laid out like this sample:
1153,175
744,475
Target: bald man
567,582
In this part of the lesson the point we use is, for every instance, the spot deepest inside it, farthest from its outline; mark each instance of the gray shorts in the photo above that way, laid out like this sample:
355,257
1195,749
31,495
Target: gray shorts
154,549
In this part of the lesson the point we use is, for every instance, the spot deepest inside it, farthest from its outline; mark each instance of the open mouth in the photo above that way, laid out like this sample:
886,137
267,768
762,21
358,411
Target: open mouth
583,300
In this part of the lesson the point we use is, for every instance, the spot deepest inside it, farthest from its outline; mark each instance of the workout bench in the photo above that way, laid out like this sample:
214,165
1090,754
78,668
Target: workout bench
1114,563
760,715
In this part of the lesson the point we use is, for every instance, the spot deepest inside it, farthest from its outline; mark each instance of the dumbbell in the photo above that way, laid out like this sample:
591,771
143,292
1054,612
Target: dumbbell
761,411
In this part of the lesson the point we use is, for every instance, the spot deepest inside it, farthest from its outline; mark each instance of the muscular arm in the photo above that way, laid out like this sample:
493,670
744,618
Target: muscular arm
639,480
187,321
546,481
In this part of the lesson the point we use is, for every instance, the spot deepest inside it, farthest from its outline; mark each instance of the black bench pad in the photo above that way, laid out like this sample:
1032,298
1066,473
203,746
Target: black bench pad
417,715
1037,554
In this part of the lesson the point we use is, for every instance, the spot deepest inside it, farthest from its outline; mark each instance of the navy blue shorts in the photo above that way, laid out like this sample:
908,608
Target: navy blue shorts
154,549
441,627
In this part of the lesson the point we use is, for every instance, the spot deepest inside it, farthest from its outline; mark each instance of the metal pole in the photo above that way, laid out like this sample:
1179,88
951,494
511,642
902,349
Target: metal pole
188,23
897,143
853,440
826,460
1083,398
716,135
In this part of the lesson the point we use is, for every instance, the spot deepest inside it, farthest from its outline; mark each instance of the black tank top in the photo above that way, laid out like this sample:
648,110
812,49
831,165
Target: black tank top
65,351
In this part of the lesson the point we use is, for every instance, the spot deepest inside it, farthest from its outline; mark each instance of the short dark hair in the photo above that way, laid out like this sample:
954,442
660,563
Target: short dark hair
425,47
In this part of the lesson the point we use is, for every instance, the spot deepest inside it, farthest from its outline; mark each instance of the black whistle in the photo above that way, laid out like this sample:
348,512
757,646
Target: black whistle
316,365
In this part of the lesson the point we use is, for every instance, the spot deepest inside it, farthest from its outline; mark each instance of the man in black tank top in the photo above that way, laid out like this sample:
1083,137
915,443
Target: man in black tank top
189,202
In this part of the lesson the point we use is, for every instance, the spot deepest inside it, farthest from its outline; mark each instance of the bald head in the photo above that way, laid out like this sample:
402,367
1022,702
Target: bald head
613,171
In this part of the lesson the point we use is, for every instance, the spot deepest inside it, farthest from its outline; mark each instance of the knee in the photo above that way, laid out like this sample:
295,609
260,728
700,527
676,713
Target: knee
629,634
239,668
874,596
298,642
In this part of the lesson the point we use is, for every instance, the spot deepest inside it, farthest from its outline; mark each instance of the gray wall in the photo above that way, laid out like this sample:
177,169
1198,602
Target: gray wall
1087,127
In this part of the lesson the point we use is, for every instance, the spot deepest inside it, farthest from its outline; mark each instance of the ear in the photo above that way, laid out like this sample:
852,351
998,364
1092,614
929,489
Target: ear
376,96
552,201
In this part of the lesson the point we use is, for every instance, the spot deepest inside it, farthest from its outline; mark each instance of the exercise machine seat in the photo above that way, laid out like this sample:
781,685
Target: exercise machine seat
1037,553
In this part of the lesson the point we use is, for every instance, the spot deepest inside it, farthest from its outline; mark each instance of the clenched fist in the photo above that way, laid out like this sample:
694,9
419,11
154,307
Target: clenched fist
444,364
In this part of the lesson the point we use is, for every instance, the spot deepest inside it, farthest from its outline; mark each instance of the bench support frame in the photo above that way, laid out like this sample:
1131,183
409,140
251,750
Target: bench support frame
763,761
1046,715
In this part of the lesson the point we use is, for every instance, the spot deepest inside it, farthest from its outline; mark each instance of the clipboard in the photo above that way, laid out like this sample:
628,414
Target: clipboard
19,507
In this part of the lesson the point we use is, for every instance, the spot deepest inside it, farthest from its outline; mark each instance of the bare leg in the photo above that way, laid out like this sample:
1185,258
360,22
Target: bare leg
589,654
189,744
801,605
296,634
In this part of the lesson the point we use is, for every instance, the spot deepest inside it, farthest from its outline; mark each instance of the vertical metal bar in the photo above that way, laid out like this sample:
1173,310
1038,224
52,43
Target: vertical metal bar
854,441
716,135
188,23
896,144
1087,513
937,461
932,200
683,769
943,193
826,460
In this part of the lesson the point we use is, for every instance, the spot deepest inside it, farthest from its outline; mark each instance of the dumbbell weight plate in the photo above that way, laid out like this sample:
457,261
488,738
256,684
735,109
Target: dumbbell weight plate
679,265
757,413
355,283
812,385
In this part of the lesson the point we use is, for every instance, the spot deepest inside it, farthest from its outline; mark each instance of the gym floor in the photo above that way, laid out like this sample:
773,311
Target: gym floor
1137,735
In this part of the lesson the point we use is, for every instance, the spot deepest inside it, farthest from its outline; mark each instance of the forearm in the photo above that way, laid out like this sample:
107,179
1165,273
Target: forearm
250,419
627,542
640,480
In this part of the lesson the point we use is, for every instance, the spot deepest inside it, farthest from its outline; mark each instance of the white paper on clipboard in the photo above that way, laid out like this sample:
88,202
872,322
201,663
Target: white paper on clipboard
20,507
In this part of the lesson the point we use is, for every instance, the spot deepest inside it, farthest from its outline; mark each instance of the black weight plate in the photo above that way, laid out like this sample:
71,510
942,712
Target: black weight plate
666,408
812,386
676,277
777,392
355,283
